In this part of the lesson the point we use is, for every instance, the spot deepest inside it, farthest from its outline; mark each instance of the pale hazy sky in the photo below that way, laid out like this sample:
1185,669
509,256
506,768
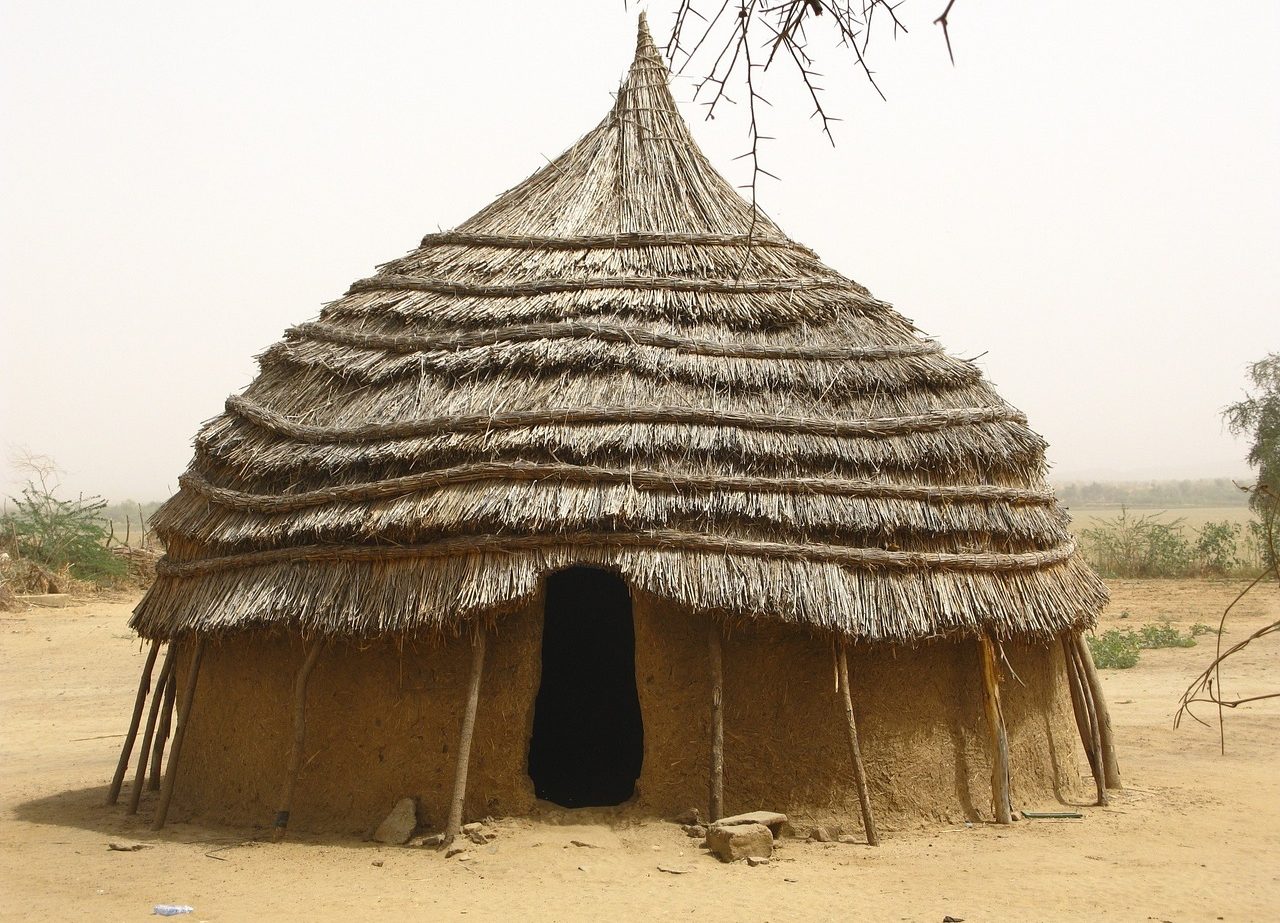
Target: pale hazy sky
1093,200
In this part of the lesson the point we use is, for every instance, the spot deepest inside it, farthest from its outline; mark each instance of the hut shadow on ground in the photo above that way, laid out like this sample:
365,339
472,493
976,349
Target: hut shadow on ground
84,809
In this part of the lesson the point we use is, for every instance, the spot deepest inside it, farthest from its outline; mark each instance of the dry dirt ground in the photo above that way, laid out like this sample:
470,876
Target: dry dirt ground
1195,835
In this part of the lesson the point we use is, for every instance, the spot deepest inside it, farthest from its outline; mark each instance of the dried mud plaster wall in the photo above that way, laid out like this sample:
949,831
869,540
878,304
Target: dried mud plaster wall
924,739
383,721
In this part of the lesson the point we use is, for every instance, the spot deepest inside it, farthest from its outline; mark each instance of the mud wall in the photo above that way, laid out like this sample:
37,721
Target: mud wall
383,721
919,711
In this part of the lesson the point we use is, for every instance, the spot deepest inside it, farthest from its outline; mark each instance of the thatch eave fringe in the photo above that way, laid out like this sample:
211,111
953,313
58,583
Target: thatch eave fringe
361,598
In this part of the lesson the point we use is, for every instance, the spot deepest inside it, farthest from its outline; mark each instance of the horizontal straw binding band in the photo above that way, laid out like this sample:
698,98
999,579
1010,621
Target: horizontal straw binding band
608,333
392,282
641,479
658,540
609,241
604,416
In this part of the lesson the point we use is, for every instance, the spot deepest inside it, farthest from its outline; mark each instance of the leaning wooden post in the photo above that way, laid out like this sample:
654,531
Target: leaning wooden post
1110,765
162,733
1077,698
454,826
995,727
144,686
179,735
1086,716
299,738
715,650
140,777
855,750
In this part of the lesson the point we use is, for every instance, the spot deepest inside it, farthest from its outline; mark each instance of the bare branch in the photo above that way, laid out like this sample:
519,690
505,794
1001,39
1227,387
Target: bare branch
942,21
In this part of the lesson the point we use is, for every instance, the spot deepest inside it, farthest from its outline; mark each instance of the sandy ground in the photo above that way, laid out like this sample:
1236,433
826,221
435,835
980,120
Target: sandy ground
1194,836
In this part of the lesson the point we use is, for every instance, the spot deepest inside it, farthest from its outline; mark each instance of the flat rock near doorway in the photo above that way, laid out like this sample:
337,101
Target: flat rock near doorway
740,841
772,819
399,825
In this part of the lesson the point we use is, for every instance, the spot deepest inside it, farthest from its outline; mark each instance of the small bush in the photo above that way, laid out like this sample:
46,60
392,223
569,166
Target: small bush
1217,547
1153,637
1118,648
58,534
1138,546
1114,649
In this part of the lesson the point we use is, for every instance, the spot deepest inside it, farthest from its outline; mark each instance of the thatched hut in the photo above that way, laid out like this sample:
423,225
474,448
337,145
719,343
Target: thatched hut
615,495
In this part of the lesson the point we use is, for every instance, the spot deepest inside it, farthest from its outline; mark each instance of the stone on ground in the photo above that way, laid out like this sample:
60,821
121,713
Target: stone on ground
690,817
740,841
399,825
771,819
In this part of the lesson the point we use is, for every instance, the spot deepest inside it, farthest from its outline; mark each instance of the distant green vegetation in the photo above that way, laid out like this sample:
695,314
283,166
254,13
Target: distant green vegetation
1152,494
1151,545
60,535
1119,648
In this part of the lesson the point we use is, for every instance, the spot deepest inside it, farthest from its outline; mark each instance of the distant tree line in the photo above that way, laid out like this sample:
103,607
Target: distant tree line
1152,494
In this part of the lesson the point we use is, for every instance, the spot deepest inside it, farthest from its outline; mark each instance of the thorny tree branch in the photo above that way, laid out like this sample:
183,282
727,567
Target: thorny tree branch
1207,687
787,21
942,21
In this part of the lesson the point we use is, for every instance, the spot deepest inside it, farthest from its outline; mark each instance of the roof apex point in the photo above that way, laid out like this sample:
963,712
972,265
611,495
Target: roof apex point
646,49
643,27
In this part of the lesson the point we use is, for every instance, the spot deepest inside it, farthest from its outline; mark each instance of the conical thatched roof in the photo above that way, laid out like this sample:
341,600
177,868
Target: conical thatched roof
598,369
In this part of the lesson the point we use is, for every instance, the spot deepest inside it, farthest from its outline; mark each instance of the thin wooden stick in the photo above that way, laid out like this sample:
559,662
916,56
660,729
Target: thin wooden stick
126,751
140,777
299,738
1094,740
715,649
162,734
1077,699
1110,765
855,750
184,722
995,727
454,826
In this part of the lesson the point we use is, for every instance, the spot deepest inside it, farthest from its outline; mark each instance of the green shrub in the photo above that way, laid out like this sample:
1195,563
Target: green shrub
1114,649
62,533
1153,637
1138,546
1149,546
1118,648
1217,547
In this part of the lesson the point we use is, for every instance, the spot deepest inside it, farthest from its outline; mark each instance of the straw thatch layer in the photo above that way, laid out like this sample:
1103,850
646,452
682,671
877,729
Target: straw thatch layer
617,363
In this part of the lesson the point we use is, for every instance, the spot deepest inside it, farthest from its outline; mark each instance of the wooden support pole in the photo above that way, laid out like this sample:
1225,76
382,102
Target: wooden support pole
1077,698
1086,716
162,733
1110,765
454,826
299,738
126,751
180,734
855,750
995,727
140,777
716,652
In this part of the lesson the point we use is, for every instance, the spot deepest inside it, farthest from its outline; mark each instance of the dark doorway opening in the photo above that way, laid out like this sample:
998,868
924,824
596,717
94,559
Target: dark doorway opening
588,738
